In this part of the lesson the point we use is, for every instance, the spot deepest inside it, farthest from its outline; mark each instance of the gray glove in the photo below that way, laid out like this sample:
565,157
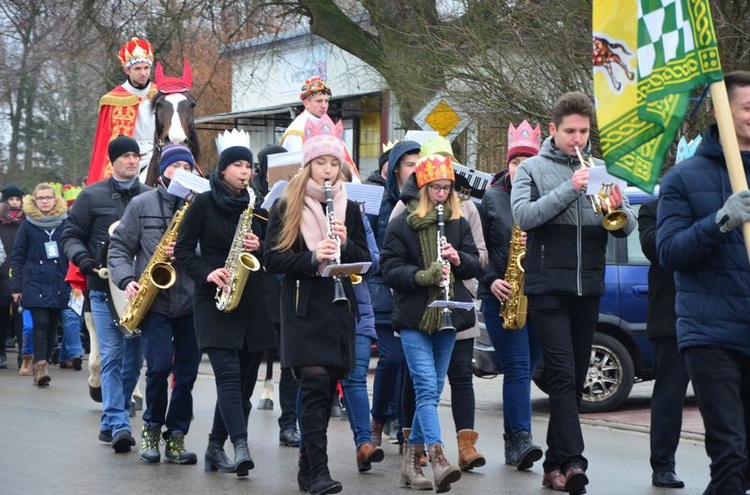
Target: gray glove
735,212
430,276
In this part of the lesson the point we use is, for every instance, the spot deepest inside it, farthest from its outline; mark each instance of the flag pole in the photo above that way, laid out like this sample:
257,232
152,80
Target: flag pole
728,139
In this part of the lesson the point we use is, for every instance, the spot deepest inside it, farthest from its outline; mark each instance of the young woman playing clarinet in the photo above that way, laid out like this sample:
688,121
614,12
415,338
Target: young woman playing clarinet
305,234
428,249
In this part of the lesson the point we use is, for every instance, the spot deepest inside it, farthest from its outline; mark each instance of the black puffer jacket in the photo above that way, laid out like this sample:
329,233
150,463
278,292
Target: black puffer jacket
95,210
401,258
497,224
566,242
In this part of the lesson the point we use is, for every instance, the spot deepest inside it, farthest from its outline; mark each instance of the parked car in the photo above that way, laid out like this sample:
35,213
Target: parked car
621,354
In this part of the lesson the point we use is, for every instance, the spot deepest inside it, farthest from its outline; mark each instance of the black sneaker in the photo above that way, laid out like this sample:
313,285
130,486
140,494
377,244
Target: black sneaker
105,436
175,451
77,363
122,441
150,438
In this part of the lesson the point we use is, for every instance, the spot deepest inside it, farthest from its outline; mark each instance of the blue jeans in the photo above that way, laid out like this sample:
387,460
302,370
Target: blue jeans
355,392
169,346
71,343
121,361
386,388
518,351
427,357
27,345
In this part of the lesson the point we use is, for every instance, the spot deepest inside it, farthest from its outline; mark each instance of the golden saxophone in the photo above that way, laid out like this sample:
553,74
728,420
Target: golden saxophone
159,274
515,307
239,262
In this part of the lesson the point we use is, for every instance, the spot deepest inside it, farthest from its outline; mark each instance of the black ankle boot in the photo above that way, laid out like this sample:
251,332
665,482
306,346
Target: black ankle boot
520,450
323,485
216,458
304,475
242,460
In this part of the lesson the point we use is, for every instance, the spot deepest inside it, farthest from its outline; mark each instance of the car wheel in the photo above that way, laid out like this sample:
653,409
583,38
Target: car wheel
610,376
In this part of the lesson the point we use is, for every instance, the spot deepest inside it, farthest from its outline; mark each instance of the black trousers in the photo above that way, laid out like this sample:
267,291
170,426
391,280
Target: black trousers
10,322
564,326
235,373
721,380
45,331
667,401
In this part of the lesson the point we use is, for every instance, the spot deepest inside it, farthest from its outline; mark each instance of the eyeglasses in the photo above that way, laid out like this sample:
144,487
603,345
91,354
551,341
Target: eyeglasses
436,189
44,198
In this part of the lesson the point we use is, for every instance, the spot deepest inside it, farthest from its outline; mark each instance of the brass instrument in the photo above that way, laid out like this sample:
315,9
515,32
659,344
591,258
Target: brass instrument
239,262
159,274
447,324
515,308
613,219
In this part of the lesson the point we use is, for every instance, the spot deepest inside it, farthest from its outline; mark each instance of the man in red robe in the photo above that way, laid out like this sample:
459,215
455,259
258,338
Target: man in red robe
125,110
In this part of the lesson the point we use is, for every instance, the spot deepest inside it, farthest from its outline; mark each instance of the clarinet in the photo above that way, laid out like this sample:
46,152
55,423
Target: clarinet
447,324
339,296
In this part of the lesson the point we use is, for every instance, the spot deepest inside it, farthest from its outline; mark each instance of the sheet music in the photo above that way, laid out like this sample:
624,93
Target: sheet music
185,183
275,193
598,177
345,269
370,195
420,136
440,303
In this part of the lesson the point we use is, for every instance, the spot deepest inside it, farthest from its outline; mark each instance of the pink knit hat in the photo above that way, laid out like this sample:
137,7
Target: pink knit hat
323,138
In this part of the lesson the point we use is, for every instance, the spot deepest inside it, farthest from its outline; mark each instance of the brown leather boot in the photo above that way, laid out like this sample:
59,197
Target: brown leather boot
41,373
26,365
367,453
445,473
376,433
468,457
412,475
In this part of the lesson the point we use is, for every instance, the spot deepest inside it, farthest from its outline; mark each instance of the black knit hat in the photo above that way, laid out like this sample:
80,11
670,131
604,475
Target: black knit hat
233,154
12,191
120,145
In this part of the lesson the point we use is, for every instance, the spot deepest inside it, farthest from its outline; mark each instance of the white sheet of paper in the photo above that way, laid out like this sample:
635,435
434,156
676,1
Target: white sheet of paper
420,136
451,304
598,177
184,183
275,193
369,194
360,267
76,301
288,158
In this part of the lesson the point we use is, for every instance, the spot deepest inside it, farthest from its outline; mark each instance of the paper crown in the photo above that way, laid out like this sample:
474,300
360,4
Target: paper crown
686,149
70,193
231,139
136,51
323,138
169,85
432,168
389,145
313,85
324,126
523,140
436,146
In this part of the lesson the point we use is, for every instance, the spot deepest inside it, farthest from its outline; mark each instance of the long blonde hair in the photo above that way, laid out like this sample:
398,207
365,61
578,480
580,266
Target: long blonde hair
294,195
425,205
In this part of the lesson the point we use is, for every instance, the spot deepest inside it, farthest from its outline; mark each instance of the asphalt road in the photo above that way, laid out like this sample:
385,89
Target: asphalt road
49,445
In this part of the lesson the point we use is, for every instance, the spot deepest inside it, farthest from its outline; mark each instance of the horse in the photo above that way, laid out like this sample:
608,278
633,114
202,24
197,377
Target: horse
173,107
605,56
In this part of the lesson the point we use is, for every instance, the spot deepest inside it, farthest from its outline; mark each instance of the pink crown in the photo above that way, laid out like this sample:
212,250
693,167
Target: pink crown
523,140
169,85
324,127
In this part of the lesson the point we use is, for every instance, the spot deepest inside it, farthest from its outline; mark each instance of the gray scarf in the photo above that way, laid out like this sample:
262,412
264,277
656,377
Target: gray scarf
47,223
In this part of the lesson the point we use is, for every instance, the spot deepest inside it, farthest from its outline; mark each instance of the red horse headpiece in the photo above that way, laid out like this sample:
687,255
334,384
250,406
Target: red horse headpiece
169,85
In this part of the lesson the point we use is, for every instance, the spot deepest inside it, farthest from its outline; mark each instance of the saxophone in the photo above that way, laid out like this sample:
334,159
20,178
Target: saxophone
159,274
515,307
239,262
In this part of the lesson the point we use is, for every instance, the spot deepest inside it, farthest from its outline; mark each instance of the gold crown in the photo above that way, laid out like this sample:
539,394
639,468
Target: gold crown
390,144
434,167
136,51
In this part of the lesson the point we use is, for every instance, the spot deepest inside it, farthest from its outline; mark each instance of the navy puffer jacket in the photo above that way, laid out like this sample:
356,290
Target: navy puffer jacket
712,273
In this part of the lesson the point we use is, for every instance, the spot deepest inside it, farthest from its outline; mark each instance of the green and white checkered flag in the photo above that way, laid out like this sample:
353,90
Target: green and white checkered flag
675,52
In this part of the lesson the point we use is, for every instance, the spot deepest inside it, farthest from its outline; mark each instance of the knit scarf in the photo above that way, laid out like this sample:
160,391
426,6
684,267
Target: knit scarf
224,197
11,216
427,232
47,223
314,224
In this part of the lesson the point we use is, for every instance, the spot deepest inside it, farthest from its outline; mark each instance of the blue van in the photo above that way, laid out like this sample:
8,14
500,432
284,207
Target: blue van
621,353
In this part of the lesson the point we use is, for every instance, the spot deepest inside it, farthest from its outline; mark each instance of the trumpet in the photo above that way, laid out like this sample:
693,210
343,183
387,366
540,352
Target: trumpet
613,219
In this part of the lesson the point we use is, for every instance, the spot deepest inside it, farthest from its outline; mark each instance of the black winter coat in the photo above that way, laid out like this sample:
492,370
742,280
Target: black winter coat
86,232
8,232
315,332
41,281
661,320
497,224
401,258
212,230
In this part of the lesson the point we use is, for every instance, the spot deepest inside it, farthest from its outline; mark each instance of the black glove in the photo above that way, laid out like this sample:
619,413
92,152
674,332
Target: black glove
735,212
88,265
430,276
